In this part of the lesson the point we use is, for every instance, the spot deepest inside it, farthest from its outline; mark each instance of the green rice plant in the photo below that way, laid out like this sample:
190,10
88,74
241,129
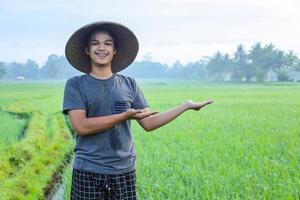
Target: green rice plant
67,182
18,154
244,146
11,129
41,167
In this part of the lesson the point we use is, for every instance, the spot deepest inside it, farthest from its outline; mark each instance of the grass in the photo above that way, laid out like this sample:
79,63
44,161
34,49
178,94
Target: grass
246,145
11,129
27,170
67,183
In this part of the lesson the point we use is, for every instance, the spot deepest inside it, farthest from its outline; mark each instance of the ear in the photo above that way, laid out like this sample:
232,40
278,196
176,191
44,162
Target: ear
115,51
87,51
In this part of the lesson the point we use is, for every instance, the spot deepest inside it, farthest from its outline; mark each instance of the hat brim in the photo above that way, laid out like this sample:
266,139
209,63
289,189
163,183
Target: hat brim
127,48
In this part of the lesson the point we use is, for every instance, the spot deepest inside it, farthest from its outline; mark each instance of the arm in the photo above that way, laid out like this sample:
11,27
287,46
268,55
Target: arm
155,121
87,126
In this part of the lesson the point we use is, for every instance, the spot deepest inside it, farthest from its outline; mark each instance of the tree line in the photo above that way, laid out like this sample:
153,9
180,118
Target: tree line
56,67
261,63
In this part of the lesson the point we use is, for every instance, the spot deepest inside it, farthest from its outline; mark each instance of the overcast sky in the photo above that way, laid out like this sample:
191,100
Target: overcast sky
170,30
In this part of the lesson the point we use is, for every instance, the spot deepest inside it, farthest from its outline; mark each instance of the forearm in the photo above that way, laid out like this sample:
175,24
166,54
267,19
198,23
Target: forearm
155,121
89,126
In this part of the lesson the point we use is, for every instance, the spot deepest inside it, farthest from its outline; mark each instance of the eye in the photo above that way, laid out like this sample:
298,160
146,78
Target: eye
94,42
108,43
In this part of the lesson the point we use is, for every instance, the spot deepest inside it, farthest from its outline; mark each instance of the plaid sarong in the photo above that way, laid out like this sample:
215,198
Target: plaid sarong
89,185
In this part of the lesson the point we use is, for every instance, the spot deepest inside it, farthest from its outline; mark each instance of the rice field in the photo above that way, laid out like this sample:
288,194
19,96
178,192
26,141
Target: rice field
12,124
30,165
246,145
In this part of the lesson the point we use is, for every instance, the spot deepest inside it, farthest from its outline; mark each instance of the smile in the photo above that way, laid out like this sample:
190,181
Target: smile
101,54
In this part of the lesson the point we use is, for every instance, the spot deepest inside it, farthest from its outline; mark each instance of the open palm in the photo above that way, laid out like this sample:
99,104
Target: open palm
197,106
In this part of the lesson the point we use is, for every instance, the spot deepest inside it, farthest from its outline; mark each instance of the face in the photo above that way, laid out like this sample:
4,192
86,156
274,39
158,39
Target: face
101,49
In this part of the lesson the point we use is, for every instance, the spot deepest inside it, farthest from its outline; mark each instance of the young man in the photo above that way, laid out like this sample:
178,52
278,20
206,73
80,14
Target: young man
100,105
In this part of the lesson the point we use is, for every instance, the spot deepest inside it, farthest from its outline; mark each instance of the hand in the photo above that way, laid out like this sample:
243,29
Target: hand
138,114
197,106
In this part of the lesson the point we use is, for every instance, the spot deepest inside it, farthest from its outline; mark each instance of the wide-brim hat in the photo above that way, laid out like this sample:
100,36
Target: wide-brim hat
127,46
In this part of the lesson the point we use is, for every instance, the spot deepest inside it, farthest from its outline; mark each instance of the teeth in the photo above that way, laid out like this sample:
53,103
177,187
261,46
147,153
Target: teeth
101,52
101,55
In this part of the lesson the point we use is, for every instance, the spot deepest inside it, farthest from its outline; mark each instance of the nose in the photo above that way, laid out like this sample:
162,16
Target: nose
101,46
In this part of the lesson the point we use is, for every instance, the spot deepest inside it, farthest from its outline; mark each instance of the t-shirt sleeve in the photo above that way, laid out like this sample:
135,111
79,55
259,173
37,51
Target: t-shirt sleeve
72,97
139,101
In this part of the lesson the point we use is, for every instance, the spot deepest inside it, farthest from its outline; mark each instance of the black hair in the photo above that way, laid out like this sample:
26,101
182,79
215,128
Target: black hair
110,33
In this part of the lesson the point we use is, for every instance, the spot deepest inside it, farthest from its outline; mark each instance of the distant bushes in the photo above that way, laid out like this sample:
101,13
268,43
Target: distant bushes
259,64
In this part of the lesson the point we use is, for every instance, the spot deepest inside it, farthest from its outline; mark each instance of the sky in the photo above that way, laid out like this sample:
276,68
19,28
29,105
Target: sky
167,30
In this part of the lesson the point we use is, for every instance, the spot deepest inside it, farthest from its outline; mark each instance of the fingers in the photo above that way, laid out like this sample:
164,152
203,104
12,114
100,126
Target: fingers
132,112
208,102
146,114
140,116
198,106
152,113
138,111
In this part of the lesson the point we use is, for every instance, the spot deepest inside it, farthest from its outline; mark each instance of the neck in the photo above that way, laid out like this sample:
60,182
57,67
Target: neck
101,72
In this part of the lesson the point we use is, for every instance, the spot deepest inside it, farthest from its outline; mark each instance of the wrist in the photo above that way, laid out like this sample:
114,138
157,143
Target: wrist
186,106
122,117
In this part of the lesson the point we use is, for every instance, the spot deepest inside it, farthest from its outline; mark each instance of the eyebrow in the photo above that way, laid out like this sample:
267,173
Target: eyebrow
94,40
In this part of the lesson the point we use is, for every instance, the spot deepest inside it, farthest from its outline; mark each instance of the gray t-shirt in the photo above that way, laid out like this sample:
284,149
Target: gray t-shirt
111,151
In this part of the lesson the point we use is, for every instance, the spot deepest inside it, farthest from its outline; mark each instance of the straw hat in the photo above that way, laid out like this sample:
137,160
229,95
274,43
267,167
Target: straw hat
127,46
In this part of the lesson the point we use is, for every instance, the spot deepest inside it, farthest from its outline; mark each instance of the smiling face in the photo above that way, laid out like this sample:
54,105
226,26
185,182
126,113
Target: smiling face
101,49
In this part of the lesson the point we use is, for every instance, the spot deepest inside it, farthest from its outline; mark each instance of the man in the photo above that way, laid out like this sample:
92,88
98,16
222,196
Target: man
100,105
